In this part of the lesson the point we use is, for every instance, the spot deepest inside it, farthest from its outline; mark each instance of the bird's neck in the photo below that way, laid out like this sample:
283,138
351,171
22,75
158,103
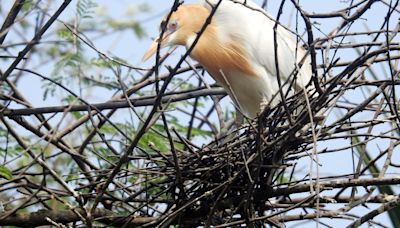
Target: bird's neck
220,57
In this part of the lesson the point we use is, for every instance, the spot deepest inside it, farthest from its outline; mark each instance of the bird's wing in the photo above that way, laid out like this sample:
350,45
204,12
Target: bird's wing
246,22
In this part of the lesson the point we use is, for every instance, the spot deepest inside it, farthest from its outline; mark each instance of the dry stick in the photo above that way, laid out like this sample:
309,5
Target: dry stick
277,69
311,44
383,46
358,13
193,115
388,158
304,217
188,144
181,187
354,45
142,83
393,74
377,199
346,63
137,102
304,187
63,148
223,192
60,216
337,13
54,223
9,21
347,34
179,180
66,108
373,161
314,152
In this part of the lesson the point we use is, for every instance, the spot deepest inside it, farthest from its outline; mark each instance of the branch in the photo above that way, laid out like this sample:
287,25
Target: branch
305,187
10,19
385,207
43,217
137,102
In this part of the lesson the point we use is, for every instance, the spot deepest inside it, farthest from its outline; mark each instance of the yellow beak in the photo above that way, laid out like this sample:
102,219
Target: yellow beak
153,47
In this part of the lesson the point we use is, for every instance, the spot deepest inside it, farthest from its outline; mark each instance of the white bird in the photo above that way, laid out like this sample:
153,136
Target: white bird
237,49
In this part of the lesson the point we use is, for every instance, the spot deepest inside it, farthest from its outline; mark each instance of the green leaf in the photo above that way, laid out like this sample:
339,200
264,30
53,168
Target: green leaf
85,8
126,24
27,6
200,132
139,32
5,172
107,63
65,34
151,138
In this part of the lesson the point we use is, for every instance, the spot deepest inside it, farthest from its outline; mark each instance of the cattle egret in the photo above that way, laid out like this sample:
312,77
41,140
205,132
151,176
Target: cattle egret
237,49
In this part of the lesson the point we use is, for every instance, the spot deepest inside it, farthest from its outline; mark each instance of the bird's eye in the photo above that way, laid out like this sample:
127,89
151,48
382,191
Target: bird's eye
173,25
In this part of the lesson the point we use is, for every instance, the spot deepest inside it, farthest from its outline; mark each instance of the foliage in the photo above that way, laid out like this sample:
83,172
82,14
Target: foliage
5,172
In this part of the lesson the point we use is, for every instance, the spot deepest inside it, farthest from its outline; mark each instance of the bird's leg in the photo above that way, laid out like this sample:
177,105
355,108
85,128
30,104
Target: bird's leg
264,103
239,118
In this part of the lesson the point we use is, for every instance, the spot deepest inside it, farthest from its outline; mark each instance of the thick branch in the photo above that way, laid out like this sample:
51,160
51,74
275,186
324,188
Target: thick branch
41,217
10,19
305,187
137,102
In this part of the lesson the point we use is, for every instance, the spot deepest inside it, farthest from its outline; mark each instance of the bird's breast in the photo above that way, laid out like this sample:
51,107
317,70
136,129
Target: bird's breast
229,64
247,91
219,56
245,84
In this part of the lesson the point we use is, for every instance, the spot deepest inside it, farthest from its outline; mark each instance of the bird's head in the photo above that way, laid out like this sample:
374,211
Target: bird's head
181,28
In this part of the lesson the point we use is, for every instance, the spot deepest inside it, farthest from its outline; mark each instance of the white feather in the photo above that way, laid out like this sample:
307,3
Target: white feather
253,28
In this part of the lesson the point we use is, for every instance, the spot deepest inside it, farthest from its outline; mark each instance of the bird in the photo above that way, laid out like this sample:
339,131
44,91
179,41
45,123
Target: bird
237,49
